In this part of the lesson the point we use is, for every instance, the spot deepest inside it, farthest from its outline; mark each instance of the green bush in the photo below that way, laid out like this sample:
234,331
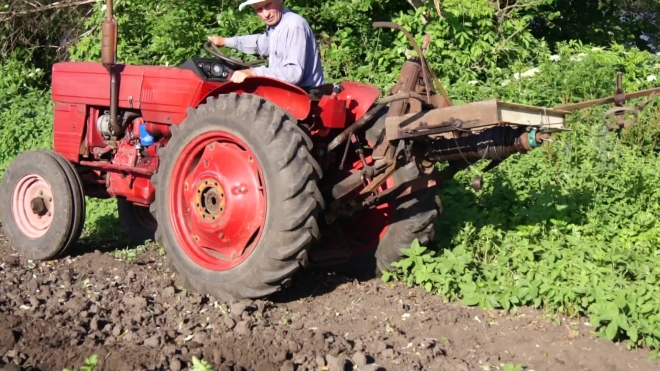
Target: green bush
25,110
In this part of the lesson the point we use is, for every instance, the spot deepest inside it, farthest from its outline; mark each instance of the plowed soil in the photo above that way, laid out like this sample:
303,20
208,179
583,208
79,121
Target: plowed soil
134,317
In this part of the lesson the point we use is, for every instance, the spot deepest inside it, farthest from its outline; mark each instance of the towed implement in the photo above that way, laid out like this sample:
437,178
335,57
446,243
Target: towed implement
244,184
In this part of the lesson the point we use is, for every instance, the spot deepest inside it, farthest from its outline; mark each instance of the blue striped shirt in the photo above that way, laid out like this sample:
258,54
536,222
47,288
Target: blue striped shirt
291,48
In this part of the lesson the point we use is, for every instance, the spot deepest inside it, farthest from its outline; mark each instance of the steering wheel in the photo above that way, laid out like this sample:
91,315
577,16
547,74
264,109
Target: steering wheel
233,62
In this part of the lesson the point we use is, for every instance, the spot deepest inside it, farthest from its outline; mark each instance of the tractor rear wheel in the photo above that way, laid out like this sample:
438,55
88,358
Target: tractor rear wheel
138,223
237,198
43,208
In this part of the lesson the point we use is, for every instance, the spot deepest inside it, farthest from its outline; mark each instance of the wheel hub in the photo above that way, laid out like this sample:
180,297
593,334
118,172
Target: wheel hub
38,206
32,205
210,199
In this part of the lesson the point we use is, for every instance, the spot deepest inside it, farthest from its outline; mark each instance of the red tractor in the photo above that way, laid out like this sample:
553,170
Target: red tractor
244,184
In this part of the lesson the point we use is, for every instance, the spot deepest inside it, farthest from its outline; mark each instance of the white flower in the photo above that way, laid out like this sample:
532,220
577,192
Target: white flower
473,82
505,83
167,64
103,7
657,66
530,73
650,78
578,57
596,49
555,58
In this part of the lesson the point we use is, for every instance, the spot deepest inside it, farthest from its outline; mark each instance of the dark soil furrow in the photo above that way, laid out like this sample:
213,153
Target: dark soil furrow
134,317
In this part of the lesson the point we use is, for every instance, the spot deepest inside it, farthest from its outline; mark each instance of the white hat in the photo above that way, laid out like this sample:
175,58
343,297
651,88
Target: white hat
249,2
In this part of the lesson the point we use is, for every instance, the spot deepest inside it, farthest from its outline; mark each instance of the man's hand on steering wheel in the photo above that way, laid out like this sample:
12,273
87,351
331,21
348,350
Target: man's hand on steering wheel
242,69
240,75
217,40
211,47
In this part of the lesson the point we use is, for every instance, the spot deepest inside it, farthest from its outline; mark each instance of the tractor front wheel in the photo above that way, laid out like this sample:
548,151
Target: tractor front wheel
43,205
237,198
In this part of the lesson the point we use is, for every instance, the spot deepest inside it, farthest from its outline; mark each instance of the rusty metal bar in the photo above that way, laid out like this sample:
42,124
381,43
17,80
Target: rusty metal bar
425,66
472,116
609,100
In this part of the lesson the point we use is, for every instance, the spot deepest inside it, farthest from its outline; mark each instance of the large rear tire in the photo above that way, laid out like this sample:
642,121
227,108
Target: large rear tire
43,205
237,198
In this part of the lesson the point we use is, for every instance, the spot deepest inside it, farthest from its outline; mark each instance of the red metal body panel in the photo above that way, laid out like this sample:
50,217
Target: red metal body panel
332,112
68,127
162,94
341,110
359,98
289,97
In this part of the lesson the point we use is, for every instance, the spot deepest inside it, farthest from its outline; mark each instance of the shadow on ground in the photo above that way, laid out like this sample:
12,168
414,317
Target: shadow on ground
107,236
501,207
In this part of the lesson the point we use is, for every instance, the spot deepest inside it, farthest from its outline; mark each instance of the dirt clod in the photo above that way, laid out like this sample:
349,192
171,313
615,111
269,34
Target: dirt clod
134,318
360,359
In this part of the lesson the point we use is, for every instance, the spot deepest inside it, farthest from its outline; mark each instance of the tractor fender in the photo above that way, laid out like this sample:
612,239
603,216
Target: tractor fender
289,97
359,98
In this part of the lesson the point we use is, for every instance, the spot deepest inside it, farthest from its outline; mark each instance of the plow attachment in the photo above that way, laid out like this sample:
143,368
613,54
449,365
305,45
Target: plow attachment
422,127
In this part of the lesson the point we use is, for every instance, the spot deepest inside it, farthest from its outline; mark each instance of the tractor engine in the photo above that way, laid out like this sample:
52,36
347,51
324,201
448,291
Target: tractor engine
127,163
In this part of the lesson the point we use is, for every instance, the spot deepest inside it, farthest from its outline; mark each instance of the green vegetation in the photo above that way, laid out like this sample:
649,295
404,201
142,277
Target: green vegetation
571,227
90,364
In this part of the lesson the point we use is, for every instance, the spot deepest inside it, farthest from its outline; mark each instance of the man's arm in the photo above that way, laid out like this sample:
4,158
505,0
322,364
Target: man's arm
249,44
293,62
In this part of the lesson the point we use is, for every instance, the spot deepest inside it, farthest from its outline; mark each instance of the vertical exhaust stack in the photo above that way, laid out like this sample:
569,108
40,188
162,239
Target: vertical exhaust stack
109,59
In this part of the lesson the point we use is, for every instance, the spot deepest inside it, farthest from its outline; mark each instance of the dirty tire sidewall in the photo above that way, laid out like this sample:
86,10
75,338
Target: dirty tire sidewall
293,199
54,242
79,206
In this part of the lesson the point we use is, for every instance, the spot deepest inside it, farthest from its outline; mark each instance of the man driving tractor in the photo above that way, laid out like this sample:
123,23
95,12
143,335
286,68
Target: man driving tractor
289,43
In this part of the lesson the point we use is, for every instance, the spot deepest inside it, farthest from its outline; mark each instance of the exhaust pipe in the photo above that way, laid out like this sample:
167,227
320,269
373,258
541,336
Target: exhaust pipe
109,59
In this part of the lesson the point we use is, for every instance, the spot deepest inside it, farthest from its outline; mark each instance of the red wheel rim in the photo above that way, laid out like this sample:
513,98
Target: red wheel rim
368,228
33,206
218,201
